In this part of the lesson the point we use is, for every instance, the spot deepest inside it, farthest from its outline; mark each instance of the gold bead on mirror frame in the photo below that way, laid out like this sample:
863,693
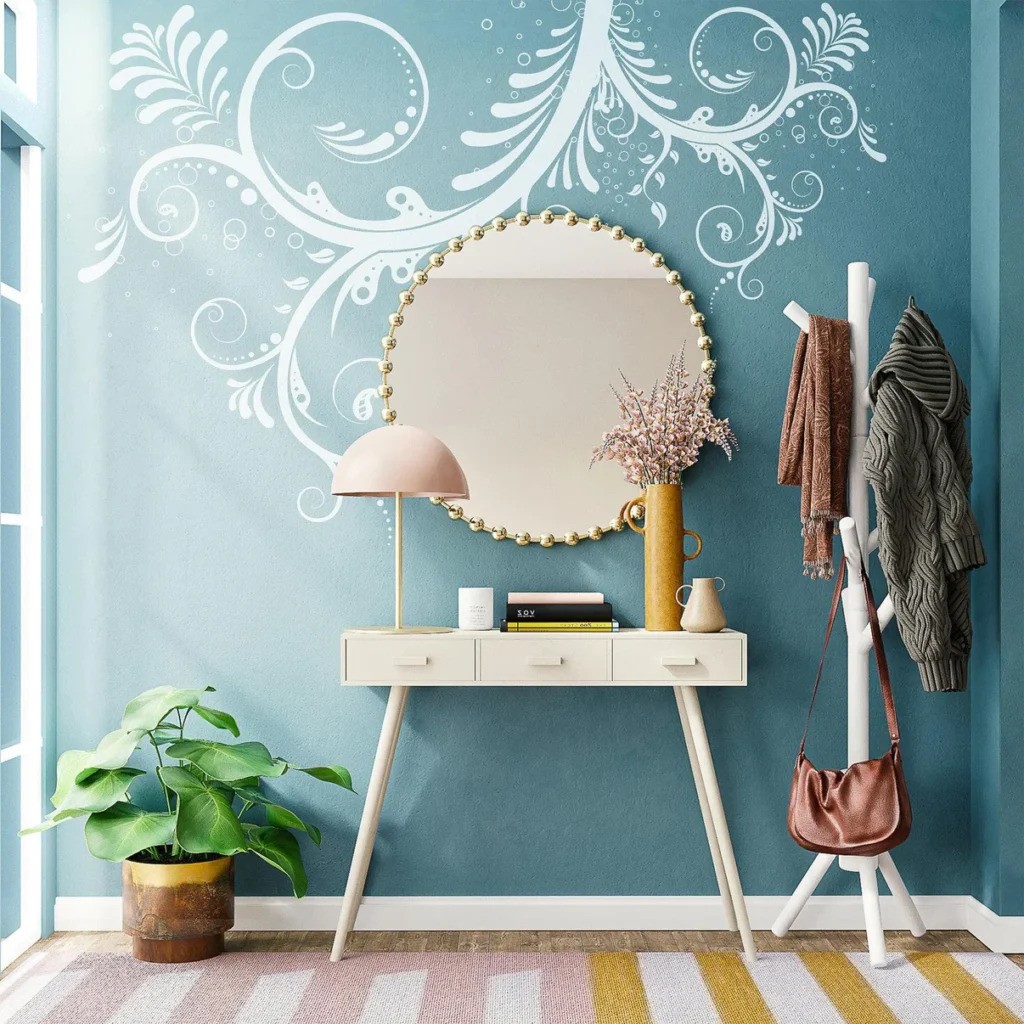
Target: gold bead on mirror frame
435,262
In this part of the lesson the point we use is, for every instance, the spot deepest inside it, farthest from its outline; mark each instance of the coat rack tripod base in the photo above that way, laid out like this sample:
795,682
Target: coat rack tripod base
857,546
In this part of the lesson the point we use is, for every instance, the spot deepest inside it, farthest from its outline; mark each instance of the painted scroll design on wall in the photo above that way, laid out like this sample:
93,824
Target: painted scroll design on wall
586,102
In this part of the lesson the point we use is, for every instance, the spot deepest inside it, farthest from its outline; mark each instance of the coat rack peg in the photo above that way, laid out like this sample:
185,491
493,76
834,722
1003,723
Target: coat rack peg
858,543
798,315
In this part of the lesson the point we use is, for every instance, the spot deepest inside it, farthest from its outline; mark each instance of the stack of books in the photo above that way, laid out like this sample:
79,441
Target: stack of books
549,612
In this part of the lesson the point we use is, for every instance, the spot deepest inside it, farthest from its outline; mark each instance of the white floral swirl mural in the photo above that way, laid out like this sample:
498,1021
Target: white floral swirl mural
588,107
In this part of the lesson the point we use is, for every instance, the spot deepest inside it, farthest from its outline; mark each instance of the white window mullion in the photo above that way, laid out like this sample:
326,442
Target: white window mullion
31,540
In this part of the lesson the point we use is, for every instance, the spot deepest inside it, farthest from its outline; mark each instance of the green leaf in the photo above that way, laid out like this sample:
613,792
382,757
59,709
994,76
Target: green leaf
102,789
207,822
124,829
228,762
165,734
281,817
276,814
75,766
218,719
279,848
147,710
332,773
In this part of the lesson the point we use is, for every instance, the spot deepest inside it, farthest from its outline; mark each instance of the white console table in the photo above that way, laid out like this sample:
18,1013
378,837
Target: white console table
630,657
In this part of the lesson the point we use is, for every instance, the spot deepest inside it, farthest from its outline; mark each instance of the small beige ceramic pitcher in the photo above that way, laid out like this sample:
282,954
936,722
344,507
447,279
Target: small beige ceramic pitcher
702,612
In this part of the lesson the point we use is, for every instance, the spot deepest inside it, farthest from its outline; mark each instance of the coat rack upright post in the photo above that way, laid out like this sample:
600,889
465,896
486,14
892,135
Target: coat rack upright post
856,539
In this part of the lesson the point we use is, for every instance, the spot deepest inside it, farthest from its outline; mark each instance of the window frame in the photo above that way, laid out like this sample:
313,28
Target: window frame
33,125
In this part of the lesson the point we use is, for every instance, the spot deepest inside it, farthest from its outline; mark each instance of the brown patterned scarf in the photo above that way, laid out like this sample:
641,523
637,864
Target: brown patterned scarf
814,454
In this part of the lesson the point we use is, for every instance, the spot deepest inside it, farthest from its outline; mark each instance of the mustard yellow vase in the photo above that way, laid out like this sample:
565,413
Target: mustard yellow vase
664,555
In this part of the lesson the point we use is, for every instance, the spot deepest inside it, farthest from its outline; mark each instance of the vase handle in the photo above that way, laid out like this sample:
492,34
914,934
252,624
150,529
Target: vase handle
626,513
700,545
682,604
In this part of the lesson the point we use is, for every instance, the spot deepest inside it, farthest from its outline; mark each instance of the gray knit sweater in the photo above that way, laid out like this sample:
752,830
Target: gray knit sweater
919,464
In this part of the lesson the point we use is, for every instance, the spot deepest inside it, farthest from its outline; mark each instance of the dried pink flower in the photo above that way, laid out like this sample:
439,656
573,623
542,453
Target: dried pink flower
661,435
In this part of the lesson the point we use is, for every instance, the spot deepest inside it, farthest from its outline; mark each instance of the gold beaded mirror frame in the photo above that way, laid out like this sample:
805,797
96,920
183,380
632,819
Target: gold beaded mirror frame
510,358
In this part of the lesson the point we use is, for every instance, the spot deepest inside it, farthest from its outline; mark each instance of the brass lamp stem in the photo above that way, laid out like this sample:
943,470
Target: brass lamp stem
398,560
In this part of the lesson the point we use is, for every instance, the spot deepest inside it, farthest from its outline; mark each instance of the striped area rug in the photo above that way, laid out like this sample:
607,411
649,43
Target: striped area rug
516,988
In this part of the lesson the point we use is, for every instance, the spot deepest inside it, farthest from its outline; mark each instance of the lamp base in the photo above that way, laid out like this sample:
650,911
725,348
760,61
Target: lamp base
394,630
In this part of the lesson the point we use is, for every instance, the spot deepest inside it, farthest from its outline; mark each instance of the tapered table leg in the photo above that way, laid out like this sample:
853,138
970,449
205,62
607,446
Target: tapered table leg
815,873
382,762
691,706
705,810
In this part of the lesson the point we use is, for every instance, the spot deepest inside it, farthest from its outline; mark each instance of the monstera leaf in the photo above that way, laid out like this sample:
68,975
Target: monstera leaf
75,766
218,719
100,790
124,829
332,773
276,814
206,822
279,848
148,710
228,762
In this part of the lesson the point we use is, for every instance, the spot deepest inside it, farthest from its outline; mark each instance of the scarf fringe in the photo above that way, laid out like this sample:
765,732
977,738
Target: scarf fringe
821,570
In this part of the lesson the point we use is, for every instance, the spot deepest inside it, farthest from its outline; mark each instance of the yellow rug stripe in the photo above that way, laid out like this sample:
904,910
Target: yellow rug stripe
970,997
851,995
619,996
732,989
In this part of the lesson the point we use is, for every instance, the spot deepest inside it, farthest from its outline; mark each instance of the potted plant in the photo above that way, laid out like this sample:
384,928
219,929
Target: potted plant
178,859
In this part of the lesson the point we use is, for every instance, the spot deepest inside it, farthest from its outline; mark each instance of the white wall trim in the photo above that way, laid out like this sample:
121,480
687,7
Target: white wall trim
1000,934
558,913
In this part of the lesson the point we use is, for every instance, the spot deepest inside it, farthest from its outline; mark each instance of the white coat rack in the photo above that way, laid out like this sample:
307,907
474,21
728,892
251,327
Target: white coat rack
856,539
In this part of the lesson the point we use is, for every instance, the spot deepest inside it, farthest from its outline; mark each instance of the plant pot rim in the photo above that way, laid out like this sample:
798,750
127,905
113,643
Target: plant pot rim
207,859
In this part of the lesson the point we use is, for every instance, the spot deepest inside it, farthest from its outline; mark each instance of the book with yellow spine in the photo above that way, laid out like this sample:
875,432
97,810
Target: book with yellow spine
559,627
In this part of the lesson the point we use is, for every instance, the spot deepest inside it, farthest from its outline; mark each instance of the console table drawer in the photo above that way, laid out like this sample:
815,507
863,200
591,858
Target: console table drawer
703,657
370,659
547,660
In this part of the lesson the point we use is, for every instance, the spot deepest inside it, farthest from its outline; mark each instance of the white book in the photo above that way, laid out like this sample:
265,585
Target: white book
555,597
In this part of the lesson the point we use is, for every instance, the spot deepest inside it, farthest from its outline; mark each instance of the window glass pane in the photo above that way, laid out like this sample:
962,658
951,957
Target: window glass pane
10,406
10,846
10,210
10,635
10,43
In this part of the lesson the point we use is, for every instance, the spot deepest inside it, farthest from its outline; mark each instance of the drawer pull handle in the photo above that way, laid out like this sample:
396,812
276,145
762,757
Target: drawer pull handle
543,660
414,661
678,660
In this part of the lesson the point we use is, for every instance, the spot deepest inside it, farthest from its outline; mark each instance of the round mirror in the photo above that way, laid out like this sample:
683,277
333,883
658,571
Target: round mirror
508,347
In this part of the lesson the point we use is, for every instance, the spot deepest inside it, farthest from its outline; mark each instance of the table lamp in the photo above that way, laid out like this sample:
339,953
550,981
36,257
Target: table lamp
403,462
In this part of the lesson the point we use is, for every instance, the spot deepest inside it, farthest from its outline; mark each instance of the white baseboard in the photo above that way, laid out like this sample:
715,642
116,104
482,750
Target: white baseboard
1001,934
566,913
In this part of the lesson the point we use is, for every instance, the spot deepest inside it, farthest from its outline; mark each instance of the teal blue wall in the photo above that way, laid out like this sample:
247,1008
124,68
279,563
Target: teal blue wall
184,556
997,365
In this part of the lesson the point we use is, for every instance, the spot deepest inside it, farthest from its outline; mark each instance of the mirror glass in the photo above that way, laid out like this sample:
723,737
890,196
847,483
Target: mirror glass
509,355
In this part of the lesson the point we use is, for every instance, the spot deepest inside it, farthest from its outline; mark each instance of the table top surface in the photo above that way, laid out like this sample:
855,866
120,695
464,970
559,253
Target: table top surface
492,634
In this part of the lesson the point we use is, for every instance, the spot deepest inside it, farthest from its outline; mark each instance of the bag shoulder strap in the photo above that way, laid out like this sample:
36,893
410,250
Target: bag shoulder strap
876,642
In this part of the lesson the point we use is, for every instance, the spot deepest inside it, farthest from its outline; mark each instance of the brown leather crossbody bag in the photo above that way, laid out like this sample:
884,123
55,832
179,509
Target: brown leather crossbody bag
862,810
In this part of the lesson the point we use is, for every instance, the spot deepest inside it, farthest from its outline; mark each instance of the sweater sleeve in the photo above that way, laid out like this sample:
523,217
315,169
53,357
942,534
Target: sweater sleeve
897,464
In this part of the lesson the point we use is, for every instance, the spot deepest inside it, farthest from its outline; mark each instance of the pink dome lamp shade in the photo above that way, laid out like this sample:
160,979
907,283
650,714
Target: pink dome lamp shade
404,462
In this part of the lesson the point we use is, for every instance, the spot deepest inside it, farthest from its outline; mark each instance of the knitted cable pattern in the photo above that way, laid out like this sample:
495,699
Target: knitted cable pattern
919,464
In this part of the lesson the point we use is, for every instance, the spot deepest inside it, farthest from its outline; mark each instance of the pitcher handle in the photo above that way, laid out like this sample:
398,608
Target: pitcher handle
682,604
626,513
722,587
700,547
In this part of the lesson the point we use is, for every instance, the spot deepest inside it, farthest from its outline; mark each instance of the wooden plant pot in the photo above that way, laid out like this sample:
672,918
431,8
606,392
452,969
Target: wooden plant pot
177,913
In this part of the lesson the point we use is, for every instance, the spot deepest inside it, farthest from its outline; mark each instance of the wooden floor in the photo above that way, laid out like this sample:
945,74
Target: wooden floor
542,942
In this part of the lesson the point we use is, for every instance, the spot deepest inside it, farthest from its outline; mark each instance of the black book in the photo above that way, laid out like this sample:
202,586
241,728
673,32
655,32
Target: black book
559,612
